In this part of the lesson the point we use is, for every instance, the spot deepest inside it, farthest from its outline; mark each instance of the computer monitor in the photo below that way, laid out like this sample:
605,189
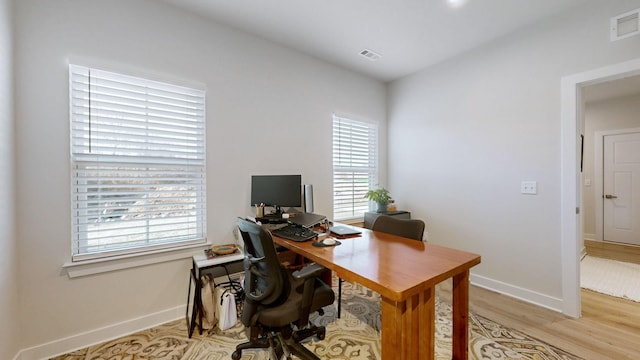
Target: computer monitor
276,191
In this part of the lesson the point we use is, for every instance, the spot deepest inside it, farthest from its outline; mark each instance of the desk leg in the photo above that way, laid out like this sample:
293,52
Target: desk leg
408,327
461,316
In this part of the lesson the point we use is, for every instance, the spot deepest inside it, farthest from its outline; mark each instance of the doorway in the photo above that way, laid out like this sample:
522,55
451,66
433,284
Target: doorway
573,106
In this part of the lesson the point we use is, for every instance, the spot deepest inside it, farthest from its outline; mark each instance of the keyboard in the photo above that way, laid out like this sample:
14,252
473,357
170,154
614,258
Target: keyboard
295,233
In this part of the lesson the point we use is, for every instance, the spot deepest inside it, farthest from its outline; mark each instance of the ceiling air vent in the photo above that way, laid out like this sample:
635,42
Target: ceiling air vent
625,25
370,54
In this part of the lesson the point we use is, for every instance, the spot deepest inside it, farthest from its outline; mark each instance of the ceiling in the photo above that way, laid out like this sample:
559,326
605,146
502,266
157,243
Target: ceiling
408,34
627,86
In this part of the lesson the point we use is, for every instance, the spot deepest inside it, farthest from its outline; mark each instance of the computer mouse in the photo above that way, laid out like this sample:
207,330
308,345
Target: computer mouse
329,241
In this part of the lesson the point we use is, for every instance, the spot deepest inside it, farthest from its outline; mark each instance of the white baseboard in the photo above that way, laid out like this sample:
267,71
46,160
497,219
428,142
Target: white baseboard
517,292
586,236
92,337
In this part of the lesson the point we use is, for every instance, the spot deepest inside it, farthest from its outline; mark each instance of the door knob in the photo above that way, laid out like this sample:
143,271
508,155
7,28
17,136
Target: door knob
608,196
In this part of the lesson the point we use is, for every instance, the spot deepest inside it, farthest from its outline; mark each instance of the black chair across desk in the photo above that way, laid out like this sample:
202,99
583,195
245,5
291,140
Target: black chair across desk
276,299
408,228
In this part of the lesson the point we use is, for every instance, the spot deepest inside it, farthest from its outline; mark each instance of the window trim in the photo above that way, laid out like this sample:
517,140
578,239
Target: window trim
82,268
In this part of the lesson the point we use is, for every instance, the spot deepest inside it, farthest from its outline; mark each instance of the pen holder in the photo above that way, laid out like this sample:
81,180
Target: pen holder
260,211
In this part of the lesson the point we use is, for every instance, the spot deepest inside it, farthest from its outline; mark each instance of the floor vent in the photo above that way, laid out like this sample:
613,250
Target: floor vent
370,54
625,25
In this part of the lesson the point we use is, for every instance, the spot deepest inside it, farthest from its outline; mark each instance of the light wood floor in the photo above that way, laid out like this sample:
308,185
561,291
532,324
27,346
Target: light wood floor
608,329
613,251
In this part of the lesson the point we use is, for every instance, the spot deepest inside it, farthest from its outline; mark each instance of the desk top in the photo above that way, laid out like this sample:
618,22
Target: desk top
393,266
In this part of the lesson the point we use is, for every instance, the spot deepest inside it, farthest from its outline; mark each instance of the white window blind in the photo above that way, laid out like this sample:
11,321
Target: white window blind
355,166
137,164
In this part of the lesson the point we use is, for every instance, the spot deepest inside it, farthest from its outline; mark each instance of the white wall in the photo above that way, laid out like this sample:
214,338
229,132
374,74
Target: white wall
8,243
268,111
463,135
611,114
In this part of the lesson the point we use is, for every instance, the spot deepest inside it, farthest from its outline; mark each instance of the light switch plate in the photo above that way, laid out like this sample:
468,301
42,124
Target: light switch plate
529,187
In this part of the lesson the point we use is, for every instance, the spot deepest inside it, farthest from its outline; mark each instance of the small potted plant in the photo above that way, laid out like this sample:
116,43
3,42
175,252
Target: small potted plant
380,196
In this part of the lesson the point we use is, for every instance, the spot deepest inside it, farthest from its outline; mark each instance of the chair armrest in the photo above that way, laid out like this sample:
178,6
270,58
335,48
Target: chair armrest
309,274
311,270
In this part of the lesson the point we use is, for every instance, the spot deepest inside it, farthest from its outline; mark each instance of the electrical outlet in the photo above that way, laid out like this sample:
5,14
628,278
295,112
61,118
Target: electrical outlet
529,187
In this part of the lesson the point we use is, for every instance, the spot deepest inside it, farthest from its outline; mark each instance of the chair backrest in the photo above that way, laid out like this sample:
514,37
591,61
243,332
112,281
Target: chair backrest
408,228
266,281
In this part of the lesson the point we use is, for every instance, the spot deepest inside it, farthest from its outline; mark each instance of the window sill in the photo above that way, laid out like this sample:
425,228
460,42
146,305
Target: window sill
97,266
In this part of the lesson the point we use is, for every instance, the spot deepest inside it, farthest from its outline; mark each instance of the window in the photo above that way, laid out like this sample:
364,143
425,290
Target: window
355,166
137,164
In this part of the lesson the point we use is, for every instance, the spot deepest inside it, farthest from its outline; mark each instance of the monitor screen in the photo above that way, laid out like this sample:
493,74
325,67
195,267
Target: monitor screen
276,190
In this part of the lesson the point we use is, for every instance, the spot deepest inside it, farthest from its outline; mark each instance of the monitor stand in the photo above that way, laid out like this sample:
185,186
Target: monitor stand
273,218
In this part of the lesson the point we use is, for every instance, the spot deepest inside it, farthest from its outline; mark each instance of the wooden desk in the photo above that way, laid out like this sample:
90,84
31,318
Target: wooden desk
404,272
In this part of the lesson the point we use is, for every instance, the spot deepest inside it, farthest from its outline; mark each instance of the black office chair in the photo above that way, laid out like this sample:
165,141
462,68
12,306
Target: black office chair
408,228
277,301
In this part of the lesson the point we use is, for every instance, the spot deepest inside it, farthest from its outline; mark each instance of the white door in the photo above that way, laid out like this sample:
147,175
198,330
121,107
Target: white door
621,188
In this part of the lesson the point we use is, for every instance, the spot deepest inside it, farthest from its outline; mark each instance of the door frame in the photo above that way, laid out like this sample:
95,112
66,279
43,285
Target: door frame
598,174
572,124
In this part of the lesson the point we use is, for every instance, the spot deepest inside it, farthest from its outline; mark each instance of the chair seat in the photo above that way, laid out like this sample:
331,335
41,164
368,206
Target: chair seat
282,315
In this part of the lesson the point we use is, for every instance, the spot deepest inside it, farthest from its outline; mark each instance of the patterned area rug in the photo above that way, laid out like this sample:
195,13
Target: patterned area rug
354,336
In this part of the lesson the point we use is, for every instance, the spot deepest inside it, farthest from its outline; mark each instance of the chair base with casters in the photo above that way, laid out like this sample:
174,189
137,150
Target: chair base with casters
282,342
278,301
